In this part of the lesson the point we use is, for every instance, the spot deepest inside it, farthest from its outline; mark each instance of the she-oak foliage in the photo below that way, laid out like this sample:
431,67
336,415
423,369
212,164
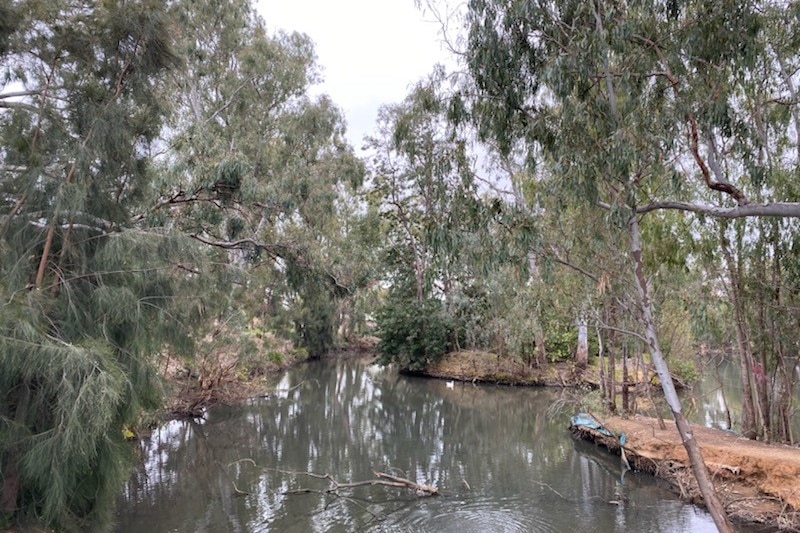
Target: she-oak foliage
161,167
87,294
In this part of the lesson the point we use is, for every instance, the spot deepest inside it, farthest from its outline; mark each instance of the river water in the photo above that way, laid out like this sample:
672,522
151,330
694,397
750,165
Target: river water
720,388
502,458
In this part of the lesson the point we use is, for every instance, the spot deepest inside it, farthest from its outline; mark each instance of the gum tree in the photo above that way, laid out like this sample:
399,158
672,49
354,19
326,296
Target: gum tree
257,168
637,107
446,242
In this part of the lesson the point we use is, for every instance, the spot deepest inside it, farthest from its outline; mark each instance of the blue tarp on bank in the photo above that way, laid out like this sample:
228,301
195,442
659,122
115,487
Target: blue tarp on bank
585,420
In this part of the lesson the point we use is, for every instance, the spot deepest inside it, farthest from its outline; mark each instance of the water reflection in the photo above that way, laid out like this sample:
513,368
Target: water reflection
720,387
500,462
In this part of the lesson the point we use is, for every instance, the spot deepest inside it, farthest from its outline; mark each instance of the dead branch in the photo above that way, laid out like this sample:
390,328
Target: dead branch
383,479
399,481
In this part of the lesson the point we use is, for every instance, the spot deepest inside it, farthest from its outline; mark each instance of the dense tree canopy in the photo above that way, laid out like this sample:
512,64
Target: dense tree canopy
153,157
88,294
602,178
645,106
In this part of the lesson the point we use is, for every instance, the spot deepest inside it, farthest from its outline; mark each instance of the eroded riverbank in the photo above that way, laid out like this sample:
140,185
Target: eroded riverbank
756,482
759,483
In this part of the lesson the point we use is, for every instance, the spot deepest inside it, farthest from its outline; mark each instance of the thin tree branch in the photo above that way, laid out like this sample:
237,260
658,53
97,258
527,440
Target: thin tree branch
241,244
18,105
727,188
600,325
19,94
553,256
691,134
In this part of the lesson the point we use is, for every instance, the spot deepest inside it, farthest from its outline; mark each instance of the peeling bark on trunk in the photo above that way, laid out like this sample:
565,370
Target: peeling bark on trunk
689,442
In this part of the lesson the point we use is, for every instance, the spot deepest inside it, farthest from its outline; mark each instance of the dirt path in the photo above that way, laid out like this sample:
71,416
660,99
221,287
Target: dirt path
757,482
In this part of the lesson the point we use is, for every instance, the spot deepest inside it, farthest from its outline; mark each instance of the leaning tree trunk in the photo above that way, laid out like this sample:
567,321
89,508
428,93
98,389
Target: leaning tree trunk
689,442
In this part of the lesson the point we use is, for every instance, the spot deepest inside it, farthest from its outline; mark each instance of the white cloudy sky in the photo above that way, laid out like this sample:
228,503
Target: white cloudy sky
371,51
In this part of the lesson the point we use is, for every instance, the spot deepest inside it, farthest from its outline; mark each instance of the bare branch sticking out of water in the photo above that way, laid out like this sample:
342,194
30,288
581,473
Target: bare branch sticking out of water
591,498
382,478
386,480
287,391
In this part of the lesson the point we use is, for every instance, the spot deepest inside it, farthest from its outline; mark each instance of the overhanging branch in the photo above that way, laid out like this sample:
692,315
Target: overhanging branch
778,209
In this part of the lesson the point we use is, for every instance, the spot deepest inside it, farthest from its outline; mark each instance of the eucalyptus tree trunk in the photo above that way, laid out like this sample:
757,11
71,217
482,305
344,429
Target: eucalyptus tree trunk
783,383
582,351
699,468
613,344
626,403
649,324
601,366
743,344
787,79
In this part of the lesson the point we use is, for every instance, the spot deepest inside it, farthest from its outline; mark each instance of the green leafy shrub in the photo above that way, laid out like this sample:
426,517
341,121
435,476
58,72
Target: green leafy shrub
684,370
561,341
413,334
275,357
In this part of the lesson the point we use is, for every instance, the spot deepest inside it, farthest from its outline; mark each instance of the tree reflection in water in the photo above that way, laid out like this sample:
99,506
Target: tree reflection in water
500,462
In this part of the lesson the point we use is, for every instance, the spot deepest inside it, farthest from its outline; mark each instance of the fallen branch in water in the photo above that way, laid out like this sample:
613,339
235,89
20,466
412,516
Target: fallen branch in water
386,480
430,490
382,478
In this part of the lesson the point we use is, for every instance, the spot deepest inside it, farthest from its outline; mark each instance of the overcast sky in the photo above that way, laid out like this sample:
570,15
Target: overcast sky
371,51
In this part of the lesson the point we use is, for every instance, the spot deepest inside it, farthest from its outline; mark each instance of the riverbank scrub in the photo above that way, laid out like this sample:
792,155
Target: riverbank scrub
756,482
485,367
232,369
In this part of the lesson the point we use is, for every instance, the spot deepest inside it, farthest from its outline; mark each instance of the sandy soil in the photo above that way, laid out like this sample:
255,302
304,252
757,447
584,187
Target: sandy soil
757,482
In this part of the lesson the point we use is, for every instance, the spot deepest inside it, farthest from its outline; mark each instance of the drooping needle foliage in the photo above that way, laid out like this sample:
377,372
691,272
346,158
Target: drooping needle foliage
88,296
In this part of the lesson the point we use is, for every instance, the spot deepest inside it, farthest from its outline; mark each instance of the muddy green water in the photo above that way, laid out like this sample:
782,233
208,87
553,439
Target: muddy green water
502,458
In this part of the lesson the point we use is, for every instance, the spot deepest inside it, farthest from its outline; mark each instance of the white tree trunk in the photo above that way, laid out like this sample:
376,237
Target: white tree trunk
689,442
582,351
